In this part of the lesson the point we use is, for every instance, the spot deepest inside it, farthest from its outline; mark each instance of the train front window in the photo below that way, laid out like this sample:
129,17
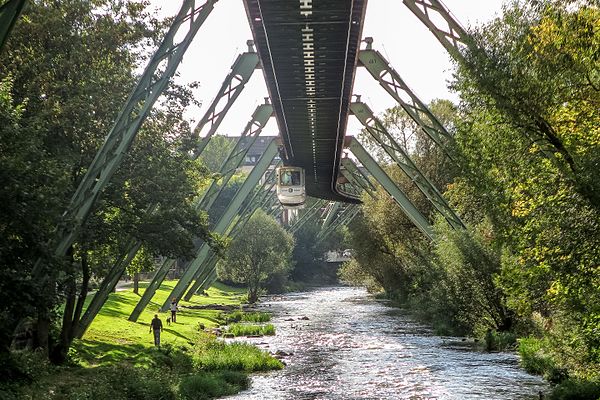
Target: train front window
290,178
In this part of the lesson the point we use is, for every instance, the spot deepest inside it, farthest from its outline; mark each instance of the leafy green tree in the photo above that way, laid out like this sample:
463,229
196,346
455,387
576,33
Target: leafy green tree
216,151
66,71
261,251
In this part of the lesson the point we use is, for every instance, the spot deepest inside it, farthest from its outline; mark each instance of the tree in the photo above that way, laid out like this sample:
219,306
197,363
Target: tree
261,251
67,70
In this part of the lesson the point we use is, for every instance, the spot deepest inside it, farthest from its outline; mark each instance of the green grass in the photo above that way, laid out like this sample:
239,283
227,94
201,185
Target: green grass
237,316
251,330
234,356
116,359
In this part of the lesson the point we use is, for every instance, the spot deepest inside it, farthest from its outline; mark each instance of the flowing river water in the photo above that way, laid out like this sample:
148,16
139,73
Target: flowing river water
352,346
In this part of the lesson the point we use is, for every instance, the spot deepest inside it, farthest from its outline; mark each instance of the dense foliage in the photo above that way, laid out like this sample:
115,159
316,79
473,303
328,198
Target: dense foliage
526,184
261,253
64,74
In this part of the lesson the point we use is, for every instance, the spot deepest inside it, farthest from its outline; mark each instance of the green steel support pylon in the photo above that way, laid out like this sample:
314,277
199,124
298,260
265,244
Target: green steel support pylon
307,215
397,194
9,15
391,81
257,200
221,226
432,12
344,218
356,177
403,160
253,178
154,80
232,86
236,157
331,213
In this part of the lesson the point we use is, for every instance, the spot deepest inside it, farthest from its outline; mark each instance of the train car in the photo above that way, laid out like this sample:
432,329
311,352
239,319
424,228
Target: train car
291,191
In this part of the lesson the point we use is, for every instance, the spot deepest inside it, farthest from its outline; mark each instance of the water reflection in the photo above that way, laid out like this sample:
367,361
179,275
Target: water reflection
353,347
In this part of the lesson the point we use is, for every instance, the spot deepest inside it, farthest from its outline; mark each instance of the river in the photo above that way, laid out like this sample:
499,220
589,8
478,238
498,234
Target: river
355,347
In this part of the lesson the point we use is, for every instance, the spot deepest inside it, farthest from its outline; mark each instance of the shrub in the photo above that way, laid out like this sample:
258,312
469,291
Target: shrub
211,385
238,316
535,360
572,389
247,330
500,341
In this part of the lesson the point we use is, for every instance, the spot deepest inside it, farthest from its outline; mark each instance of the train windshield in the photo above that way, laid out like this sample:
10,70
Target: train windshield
289,178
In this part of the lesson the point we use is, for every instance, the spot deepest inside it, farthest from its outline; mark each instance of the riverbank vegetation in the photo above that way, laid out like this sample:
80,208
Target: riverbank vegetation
116,359
523,177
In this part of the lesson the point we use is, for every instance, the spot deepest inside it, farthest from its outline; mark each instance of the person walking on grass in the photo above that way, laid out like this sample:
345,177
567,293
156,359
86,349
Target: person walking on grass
173,308
156,327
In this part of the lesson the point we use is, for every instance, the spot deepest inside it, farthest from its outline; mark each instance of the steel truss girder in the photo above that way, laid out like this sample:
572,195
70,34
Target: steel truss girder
306,216
391,81
453,36
411,211
259,199
403,160
9,15
259,119
356,177
221,227
154,80
203,250
345,216
332,211
232,87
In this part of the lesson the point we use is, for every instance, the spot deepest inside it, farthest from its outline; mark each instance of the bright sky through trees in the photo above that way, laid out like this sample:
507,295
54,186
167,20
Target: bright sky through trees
413,51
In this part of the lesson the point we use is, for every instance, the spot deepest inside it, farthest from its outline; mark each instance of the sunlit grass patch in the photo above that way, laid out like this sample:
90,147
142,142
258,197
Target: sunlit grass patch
217,355
251,330
238,316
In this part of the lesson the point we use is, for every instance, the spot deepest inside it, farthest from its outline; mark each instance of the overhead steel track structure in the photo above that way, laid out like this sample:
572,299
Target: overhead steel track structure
309,52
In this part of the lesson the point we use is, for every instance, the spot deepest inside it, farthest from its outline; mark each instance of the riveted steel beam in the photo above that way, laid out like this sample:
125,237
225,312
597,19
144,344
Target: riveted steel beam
253,178
442,24
154,80
402,159
356,177
232,87
411,211
345,216
391,81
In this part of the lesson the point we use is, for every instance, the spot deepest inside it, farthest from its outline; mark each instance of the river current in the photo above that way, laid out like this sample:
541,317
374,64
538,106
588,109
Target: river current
351,346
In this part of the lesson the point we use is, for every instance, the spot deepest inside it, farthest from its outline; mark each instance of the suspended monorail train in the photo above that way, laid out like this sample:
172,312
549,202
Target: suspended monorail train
291,190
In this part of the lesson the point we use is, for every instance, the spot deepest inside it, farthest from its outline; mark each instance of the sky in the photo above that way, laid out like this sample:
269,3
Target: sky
404,41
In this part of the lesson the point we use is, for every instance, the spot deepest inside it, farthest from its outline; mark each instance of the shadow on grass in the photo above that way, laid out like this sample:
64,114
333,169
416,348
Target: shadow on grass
101,353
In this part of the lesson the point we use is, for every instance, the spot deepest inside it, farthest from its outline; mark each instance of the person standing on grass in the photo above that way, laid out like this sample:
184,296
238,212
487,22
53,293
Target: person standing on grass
156,327
173,308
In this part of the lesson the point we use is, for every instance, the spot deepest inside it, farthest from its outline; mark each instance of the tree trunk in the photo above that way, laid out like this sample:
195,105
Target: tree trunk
58,353
85,281
136,283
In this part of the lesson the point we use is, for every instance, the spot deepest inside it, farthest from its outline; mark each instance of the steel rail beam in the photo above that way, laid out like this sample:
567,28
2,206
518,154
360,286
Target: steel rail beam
372,124
411,211
334,206
232,87
10,12
381,70
154,80
307,216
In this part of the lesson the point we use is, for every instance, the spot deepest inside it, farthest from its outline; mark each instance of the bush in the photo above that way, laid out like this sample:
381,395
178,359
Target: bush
500,341
535,360
211,385
572,389
251,330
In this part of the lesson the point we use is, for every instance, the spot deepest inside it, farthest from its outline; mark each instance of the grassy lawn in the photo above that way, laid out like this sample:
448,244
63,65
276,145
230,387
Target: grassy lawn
112,337
117,360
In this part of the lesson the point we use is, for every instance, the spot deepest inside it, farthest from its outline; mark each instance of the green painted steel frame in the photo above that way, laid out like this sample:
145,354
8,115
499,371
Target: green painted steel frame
397,194
154,80
391,81
10,12
356,177
344,218
372,124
